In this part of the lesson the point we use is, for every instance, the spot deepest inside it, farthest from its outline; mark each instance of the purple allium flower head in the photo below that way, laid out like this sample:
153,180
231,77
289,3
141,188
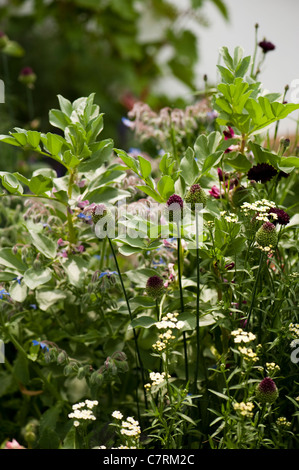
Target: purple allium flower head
262,172
282,217
155,286
266,46
174,207
266,236
267,391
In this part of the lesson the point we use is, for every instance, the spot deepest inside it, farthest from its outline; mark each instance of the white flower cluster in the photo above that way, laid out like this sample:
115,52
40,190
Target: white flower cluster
266,249
294,329
245,409
248,354
272,367
229,218
83,411
283,422
168,323
156,379
241,336
117,415
130,427
262,207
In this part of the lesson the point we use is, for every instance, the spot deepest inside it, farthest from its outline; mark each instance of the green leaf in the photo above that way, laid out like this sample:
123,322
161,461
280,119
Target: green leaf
143,322
239,162
76,269
11,183
150,192
100,153
33,138
53,143
65,105
58,119
10,260
43,244
129,161
288,163
18,291
46,297
211,160
40,184
145,167
165,187
36,277
189,168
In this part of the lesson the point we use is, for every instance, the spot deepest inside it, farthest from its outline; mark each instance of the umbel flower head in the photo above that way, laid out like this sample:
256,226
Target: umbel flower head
279,216
155,286
174,208
196,195
267,391
262,172
266,236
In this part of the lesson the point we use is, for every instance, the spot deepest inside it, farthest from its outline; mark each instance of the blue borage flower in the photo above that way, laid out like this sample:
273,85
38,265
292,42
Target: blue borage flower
2,293
41,344
107,273
18,279
84,216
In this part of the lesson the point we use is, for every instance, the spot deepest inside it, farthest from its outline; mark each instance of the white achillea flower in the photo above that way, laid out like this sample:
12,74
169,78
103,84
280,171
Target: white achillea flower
294,329
283,422
117,415
81,413
245,409
272,367
248,354
241,336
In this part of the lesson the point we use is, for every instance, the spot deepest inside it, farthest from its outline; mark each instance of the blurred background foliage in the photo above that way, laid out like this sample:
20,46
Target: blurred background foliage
119,49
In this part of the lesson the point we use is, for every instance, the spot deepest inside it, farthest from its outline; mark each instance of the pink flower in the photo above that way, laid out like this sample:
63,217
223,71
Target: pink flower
215,192
13,445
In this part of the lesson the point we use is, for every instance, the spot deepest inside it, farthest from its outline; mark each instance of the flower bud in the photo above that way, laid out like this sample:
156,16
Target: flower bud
196,195
174,208
266,235
267,391
155,287
27,77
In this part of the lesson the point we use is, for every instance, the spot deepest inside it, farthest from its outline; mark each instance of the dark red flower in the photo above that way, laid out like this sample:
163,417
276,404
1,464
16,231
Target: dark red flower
229,134
174,208
266,46
282,217
262,172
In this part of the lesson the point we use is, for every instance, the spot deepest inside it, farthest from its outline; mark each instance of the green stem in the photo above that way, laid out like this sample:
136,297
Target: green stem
71,229
254,288
131,318
182,298
197,301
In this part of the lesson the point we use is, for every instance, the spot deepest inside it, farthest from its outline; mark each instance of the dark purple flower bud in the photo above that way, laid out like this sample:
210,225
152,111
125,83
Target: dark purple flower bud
266,46
27,76
280,216
174,207
262,172
155,286
267,391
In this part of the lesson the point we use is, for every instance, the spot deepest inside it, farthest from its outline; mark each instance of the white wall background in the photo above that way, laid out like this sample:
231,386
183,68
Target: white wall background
278,22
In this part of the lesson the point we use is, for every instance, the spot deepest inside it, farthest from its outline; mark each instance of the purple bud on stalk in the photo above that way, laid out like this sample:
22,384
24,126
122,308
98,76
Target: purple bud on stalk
267,391
155,286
